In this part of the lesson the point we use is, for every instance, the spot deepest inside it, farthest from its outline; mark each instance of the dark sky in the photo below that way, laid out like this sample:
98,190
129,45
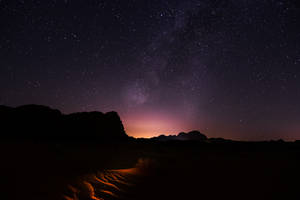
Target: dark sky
227,68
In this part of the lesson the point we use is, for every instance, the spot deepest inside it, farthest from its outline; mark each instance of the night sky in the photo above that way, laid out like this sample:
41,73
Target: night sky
230,68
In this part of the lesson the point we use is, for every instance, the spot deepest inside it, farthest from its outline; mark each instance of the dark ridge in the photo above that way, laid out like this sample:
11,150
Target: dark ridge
44,123
182,136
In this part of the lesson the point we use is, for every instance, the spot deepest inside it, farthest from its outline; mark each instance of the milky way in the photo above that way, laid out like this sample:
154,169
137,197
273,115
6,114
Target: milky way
227,68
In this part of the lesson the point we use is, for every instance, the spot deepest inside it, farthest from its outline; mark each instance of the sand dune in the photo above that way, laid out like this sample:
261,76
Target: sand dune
107,184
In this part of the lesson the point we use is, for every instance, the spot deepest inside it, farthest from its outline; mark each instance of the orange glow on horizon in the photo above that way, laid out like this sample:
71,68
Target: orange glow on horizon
150,128
141,125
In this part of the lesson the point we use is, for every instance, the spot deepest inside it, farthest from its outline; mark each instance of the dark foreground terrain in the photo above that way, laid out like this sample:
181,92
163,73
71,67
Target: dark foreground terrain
121,167
155,170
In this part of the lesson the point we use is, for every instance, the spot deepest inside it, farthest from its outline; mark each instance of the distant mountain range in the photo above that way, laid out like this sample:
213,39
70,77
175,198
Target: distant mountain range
192,135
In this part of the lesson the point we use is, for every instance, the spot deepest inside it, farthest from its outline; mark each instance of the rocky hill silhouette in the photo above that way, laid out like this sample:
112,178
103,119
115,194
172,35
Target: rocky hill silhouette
41,122
182,136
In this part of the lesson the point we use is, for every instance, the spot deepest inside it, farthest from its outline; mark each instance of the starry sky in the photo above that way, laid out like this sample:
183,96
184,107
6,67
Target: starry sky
229,68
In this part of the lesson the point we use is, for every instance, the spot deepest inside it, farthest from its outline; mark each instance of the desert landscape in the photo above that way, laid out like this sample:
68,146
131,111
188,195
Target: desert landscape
149,99
122,167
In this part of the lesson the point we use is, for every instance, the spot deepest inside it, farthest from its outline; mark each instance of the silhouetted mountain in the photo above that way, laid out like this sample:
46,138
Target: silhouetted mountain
192,135
42,122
